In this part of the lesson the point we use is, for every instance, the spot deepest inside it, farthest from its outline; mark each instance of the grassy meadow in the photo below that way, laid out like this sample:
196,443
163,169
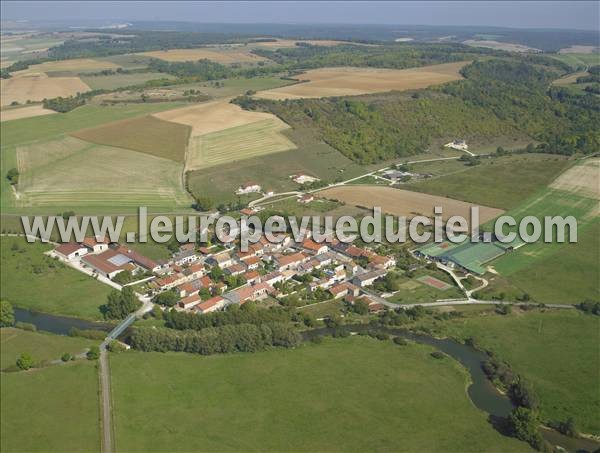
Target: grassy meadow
42,346
33,280
355,394
557,351
51,409
114,81
499,182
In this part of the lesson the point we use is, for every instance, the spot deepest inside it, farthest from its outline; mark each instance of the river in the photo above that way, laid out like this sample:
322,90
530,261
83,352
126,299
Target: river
481,391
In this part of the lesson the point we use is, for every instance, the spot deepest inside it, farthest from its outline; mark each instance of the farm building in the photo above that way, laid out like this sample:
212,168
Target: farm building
249,187
71,250
461,145
306,198
301,178
368,278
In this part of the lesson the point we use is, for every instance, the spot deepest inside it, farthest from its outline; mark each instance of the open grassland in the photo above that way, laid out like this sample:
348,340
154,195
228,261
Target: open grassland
355,394
272,171
53,409
24,112
213,116
42,346
557,351
578,59
582,179
403,202
38,86
145,134
58,173
500,182
507,46
223,55
353,81
112,82
30,279
237,86
238,143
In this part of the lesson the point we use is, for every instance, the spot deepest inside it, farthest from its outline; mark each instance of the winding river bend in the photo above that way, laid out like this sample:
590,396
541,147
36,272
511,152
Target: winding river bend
481,391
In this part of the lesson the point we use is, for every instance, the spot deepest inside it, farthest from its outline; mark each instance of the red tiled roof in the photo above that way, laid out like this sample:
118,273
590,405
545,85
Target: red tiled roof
284,260
190,299
209,303
91,241
311,245
68,248
101,262
138,258
251,275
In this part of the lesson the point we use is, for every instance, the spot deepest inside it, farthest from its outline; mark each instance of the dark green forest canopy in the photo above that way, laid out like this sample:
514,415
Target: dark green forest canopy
499,97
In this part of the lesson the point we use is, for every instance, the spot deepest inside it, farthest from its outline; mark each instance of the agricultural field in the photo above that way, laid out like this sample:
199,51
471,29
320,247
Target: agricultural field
52,409
578,59
24,112
37,86
522,176
30,279
325,82
43,347
223,55
120,177
283,43
421,399
74,66
238,143
507,46
400,202
557,351
114,81
582,179
273,170
146,134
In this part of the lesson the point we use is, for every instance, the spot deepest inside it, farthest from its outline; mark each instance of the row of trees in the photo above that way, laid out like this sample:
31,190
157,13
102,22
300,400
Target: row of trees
215,340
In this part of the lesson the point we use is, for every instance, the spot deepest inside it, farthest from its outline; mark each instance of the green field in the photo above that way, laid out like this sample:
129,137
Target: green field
53,409
579,60
80,175
111,82
237,86
42,346
272,171
32,280
145,134
53,127
355,394
500,183
557,351
413,291
238,143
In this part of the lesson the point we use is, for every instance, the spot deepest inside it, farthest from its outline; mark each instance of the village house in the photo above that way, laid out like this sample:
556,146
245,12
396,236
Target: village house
252,262
249,292
235,269
314,247
71,250
185,257
306,198
189,288
286,262
223,260
249,187
382,262
367,278
272,278
252,277
96,244
343,289
195,271
301,178
210,305
190,301
247,211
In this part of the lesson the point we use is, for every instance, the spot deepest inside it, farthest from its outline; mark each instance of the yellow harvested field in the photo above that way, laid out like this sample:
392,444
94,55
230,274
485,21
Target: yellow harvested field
224,56
404,202
74,65
24,112
237,143
580,49
582,179
38,86
354,81
212,116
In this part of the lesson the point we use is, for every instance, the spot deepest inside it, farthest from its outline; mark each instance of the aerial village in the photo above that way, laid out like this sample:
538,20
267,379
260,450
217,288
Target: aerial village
209,278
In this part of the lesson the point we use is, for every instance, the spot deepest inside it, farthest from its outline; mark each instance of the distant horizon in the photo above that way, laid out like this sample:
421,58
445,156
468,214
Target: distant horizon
542,15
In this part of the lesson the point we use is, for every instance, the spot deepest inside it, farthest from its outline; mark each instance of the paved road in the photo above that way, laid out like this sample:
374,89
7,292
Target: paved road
104,369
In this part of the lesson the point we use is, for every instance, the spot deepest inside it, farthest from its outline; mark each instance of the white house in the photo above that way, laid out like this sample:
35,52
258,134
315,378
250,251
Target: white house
71,250
250,187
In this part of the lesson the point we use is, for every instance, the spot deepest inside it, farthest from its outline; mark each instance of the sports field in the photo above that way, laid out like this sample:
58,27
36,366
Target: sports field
30,279
38,86
72,172
53,409
146,134
471,256
238,143
355,394
223,55
405,203
24,112
353,81
557,351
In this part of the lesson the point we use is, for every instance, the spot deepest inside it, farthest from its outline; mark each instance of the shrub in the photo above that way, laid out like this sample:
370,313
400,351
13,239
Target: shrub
26,326
400,341
93,353
66,357
25,361
438,355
